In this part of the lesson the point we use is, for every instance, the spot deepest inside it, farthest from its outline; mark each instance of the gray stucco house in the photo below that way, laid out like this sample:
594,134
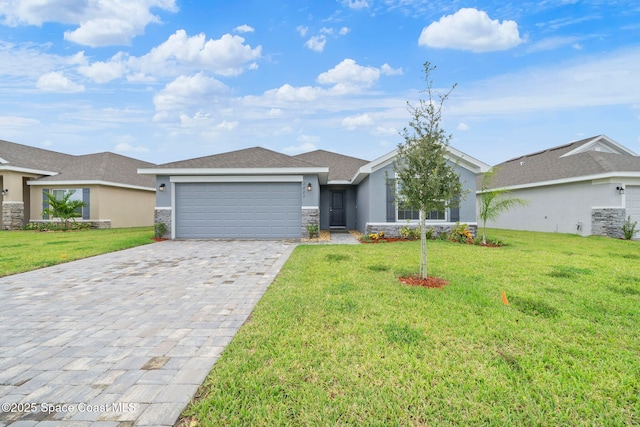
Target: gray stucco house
587,187
257,193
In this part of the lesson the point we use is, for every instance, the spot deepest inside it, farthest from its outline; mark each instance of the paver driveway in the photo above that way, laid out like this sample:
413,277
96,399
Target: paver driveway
125,338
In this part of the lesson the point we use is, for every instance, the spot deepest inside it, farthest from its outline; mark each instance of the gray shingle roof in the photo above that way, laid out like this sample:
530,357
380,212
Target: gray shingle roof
108,167
255,157
24,156
548,165
341,168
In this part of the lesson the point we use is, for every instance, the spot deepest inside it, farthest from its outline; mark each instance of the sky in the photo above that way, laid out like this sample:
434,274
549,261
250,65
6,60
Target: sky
166,80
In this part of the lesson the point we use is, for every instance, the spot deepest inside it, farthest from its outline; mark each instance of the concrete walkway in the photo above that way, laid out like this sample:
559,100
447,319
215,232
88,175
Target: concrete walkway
125,338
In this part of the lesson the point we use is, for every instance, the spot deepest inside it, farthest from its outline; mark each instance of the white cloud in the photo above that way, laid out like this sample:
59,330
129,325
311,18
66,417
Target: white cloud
463,127
288,93
316,43
302,148
185,92
302,30
380,130
348,72
103,72
244,29
353,122
471,29
125,147
388,71
275,112
226,56
57,82
344,31
227,126
356,4
100,23
15,121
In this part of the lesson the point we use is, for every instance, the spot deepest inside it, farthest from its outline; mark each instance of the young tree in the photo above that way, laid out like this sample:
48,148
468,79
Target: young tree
494,201
427,181
64,208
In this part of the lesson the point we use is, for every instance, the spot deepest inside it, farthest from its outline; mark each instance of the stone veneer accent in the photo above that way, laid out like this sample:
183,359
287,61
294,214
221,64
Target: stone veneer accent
309,216
607,222
12,215
163,215
392,229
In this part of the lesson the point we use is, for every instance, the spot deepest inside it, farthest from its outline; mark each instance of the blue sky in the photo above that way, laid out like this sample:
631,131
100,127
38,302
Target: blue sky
165,80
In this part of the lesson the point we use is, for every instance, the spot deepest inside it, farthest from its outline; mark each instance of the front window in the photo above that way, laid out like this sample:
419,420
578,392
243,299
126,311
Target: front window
79,194
405,213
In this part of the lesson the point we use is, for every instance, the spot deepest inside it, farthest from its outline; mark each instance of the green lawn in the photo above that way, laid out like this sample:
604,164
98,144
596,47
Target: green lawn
27,250
336,340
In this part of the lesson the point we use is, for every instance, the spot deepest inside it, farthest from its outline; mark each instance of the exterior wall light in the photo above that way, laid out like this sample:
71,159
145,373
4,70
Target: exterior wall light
620,189
309,187
6,191
162,187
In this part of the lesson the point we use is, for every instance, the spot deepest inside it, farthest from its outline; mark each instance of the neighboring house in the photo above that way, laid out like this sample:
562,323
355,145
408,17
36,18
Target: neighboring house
114,194
587,187
257,193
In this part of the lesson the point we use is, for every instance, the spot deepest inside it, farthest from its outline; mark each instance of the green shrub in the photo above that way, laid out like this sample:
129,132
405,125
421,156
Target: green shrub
629,228
312,229
160,229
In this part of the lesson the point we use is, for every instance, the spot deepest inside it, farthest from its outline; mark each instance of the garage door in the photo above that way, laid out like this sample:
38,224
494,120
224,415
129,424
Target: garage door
238,210
633,202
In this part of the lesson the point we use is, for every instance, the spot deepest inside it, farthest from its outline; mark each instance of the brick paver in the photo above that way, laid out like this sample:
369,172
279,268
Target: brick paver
128,336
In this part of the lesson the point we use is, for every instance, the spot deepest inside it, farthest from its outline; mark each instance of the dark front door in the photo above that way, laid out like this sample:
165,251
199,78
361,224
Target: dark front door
337,209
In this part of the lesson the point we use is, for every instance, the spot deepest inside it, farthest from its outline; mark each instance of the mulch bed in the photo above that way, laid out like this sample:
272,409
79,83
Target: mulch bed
429,282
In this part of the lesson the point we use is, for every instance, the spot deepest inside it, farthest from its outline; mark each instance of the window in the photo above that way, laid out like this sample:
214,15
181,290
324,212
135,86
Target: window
404,213
81,194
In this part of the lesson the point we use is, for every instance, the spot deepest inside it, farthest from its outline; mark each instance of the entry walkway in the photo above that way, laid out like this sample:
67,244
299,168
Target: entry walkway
125,338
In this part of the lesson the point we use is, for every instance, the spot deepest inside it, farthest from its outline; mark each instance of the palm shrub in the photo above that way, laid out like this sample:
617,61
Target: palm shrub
492,202
64,208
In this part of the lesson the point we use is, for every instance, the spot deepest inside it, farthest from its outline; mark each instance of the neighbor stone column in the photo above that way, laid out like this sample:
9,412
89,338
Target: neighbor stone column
309,216
163,215
608,222
12,215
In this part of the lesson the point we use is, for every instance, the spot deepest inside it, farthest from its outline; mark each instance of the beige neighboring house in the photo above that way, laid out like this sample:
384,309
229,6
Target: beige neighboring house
114,193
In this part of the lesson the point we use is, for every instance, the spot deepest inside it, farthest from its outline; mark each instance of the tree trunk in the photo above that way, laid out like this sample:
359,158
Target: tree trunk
423,245
484,237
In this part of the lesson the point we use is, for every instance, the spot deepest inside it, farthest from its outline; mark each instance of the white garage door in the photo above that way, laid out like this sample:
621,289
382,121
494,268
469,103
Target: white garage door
633,202
264,210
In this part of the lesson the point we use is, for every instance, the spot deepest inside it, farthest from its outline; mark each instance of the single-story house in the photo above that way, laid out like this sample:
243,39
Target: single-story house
114,193
587,187
257,193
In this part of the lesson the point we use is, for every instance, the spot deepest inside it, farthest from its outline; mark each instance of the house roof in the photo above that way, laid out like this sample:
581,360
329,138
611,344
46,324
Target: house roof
105,167
255,157
586,157
341,168
14,155
58,168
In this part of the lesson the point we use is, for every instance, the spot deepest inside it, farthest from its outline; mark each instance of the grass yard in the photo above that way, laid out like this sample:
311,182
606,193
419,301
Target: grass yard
336,340
28,250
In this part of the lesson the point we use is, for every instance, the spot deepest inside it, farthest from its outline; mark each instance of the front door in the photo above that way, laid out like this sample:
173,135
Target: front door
337,209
